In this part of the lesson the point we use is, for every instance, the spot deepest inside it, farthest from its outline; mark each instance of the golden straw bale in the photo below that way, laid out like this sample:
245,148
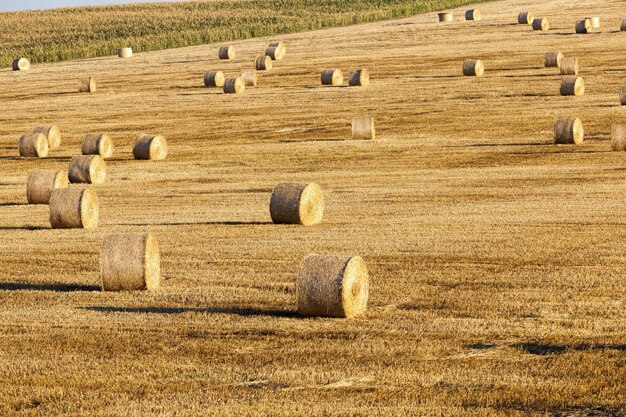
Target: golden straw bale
332,286
130,262
553,60
618,137
41,183
622,96
473,14
569,131
360,77
226,52
569,66
52,132
542,24
97,144
363,128
573,86
74,208
263,63
33,145
125,52
293,203
234,85
87,169
87,85
583,26
150,147
525,18
595,22
249,78
332,77
473,67
445,16
21,64
276,50
214,79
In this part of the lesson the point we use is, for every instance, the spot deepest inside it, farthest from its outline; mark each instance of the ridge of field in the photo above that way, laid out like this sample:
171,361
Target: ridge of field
87,32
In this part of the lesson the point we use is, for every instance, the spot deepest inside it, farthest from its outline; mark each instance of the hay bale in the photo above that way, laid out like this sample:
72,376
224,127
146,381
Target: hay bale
214,79
569,66
276,50
569,131
360,77
618,137
445,16
74,208
363,128
542,24
293,203
332,286
553,60
87,85
234,85
53,134
33,145
125,52
583,26
525,18
332,77
97,144
595,22
573,86
21,64
473,14
226,52
473,67
622,96
130,262
41,183
87,169
150,147
263,63
277,44
622,27
249,78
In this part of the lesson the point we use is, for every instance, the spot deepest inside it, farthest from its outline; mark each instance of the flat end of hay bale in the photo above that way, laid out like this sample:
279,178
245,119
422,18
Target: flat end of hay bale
294,203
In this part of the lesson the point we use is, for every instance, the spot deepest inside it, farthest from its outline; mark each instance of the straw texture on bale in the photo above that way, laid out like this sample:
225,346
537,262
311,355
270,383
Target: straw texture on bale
276,51
97,144
541,24
74,208
332,286
363,128
130,262
249,78
622,27
277,44
263,63
33,145
445,17
622,96
360,77
214,79
583,26
52,132
553,60
234,85
473,14
595,22
21,64
569,66
525,18
473,67
125,52
569,131
41,183
618,137
87,169
226,52
293,203
573,86
332,77
87,85
150,147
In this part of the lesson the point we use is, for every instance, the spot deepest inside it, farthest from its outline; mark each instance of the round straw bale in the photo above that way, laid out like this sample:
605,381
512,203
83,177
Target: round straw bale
97,144
595,22
234,85
573,86
363,128
583,26
525,18
226,52
249,78
541,24
150,147
473,67
568,131
553,60
130,262
473,14
214,79
359,77
21,64
332,286
74,208
276,52
87,85
622,27
445,16
263,63
618,137
293,203
622,96
33,145
41,183
125,52
87,169
569,66
332,77
52,132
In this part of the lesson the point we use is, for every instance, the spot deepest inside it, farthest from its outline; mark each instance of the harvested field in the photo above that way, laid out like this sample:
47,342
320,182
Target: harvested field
497,270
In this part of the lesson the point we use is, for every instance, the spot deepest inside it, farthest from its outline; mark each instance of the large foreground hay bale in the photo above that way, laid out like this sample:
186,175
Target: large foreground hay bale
525,18
553,60
622,96
473,14
618,137
74,208
214,79
573,86
583,26
332,286
473,67
263,63
150,147
130,262
569,66
445,16
294,203
234,85
97,144
568,131
33,145
332,76
125,52
226,52
53,134
542,24
21,64
41,183
360,77
87,85
249,78
363,128
87,169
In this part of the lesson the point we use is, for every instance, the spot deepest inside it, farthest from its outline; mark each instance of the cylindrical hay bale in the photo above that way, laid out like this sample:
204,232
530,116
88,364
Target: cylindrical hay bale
525,18
52,132
33,145
569,66
445,17
568,131
214,79
360,77
130,262
125,52
573,86
249,78
293,203
473,14
74,208
622,96
473,67
150,147
21,64
583,26
87,85
263,63
595,22
618,137
41,183
541,24
234,85
363,128
97,144
553,60
276,50
87,169
332,77
332,286
622,27
226,52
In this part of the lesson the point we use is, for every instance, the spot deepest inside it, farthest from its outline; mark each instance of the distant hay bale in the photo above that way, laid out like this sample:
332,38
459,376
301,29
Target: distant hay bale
363,128
276,50
569,66
33,145
52,132
125,52
473,14
445,16
263,63
97,144
41,183
583,26
234,85
553,60
618,137
332,76
226,52
360,77
622,96
473,67
87,85
214,79
569,131
542,24
595,22
249,78
130,262
150,147
74,208
573,86
294,203
332,286
87,169
525,18
21,64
